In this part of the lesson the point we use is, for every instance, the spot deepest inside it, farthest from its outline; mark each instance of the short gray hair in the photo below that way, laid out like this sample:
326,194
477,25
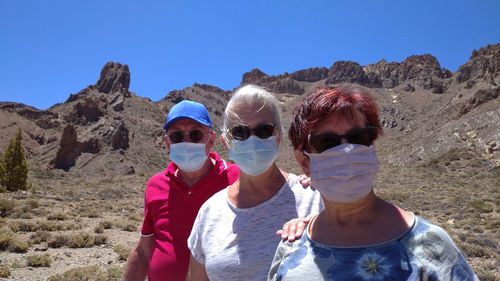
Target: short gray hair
251,94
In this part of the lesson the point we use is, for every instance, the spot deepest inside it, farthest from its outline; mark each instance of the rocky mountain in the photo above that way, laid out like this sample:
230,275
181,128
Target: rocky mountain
427,111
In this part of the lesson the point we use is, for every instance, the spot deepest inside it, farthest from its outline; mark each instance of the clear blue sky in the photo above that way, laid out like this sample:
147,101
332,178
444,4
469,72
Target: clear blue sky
49,49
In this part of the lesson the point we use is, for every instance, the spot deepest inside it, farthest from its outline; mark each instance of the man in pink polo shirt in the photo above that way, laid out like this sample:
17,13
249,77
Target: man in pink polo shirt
173,198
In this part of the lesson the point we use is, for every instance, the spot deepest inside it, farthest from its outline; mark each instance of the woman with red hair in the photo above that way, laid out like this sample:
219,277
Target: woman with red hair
358,236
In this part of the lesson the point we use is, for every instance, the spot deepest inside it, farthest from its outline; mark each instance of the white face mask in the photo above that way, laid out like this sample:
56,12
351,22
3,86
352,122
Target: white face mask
344,173
254,155
188,156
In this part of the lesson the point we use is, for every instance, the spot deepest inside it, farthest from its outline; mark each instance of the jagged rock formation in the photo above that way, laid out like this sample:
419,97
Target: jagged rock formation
68,150
114,77
106,129
482,65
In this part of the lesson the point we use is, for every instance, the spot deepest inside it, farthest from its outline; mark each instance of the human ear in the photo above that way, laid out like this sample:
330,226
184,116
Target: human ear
167,143
210,143
224,141
303,161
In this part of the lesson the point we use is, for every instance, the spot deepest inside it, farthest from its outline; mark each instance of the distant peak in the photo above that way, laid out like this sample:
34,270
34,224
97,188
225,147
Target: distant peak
114,77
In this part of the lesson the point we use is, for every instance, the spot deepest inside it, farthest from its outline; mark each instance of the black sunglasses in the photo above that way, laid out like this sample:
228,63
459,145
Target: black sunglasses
322,142
194,135
263,131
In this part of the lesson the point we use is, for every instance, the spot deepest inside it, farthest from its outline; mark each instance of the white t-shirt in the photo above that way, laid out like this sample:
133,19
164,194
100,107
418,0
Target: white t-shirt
239,243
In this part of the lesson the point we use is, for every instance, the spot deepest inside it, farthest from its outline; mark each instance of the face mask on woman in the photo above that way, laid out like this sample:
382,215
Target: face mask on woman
254,155
344,173
188,156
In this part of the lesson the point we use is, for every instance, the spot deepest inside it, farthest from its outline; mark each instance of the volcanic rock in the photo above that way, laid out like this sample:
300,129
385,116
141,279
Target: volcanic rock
114,77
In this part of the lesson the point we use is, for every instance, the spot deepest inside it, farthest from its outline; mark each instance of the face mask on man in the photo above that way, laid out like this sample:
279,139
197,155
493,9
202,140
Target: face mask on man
254,155
188,156
344,173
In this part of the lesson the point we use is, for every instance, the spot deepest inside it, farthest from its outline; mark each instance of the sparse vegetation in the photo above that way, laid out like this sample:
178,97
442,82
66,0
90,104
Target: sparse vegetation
94,273
39,260
6,206
18,246
4,271
6,236
122,252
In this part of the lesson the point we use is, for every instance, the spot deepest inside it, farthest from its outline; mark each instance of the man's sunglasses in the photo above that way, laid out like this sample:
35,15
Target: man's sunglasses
263,131
322,142
194,136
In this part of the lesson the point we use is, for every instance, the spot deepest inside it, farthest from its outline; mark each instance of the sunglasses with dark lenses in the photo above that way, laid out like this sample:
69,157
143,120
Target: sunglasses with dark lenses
262,131
322,142
194,136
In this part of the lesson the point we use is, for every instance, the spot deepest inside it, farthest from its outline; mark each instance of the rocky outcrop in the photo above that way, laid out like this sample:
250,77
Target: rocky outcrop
277,84
119,139
480,97
423,71
482,65
91,145
114,77
347,72
253,77
311,74
68,150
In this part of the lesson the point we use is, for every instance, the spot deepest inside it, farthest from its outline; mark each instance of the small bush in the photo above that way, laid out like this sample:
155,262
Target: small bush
100,239
122,252
4,271
39,260
106,224
99,229
129,227
6,236
58,241
18,246
40,236
24,226
6,206
80,240
57,216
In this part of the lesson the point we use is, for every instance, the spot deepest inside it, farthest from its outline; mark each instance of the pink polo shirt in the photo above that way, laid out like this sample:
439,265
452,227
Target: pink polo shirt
170,208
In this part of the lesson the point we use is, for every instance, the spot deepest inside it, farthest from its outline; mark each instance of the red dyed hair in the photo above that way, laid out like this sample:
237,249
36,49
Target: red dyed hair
325,100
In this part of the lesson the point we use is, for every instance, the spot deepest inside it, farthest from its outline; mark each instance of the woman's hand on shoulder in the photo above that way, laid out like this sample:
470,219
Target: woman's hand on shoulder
304,180
293,229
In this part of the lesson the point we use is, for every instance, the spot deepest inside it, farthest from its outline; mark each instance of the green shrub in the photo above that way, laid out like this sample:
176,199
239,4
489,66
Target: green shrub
39,260
122,252
6,205
4,271
13,168
6,236
18,246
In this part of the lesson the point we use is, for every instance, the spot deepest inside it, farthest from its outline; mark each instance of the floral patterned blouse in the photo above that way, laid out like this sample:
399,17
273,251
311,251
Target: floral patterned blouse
424,252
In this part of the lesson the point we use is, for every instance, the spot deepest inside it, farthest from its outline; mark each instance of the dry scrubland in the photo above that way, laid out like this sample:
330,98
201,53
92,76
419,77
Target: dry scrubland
68,228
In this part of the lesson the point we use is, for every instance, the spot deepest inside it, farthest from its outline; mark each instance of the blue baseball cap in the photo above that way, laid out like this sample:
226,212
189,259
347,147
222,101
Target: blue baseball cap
188,109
